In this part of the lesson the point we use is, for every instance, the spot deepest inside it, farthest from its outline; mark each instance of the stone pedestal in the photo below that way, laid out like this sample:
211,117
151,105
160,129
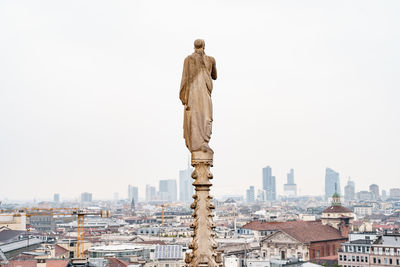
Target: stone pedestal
203,244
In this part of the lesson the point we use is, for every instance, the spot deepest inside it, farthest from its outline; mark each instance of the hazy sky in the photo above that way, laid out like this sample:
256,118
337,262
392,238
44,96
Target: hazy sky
89,93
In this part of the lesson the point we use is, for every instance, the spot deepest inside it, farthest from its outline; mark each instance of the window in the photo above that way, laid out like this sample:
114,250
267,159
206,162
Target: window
385,260
366,258
340,257
374,259
317,253
353,258
358,259
392,251
379,260
344,257
390,261
386,251
380,251
362,259
397,261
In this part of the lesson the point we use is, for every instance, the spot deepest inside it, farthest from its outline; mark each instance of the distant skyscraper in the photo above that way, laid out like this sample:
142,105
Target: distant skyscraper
374,189
250,194
269,184
150,193
186,189
133,192
384,194
56,198
394,193
116,196
261,195
365,196
86,197
349,191
168,190
332,183
290,188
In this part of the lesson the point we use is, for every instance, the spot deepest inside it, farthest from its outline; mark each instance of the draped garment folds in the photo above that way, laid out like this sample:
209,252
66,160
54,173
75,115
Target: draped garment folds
195,94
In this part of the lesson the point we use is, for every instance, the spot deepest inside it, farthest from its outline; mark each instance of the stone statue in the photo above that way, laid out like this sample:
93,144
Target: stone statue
195,93
198,72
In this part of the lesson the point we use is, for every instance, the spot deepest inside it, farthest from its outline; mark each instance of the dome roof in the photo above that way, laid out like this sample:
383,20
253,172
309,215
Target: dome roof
337,209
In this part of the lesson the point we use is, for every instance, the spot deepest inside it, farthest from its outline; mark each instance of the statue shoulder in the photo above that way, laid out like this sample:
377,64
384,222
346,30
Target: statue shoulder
212,59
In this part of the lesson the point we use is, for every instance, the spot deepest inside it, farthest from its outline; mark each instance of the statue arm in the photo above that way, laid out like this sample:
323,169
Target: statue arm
213,69
183,89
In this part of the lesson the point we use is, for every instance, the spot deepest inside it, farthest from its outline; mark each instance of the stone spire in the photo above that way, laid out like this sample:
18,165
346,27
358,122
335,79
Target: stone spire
203,244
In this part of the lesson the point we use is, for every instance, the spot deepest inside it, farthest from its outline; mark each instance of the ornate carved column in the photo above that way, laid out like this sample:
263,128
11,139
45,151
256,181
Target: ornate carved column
203,244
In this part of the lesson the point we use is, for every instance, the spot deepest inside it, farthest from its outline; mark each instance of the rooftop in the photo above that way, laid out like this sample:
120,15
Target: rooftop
388,240
337,209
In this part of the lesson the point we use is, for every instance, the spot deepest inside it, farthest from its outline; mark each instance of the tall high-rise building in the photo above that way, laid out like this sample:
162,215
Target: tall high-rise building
269,184
168,190
349,191
133,192
150,193
394,193
250,194
186,189
290,177
374,189
384,194
116,196
56,197
261,195
86,197
290,188
332,183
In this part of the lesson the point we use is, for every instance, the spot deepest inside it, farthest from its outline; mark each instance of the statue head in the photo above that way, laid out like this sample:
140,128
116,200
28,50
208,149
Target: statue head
199,44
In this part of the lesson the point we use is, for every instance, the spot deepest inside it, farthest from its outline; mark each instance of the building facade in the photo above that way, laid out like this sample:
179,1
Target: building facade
355,253
374,189
133,193
305,241
151,193
290,188
349,191
86,197
332,183
269,183
250,198
385,251
186,189
167,190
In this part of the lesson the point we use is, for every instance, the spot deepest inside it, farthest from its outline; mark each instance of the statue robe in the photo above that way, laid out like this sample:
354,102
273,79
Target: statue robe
195,94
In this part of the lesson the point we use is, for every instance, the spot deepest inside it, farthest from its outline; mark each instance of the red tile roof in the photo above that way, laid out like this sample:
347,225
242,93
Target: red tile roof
27,263
313,232
56,263
336,209
59,251
115,262
303,231
272,226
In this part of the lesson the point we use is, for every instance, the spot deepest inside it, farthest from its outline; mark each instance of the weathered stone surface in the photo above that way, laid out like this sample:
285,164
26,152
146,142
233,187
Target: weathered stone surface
195,94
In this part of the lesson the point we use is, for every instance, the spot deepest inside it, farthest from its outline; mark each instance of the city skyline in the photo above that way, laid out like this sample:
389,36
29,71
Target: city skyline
280,184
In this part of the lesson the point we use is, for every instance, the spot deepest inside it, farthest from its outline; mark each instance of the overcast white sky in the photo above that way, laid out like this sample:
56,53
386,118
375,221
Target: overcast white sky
89,93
